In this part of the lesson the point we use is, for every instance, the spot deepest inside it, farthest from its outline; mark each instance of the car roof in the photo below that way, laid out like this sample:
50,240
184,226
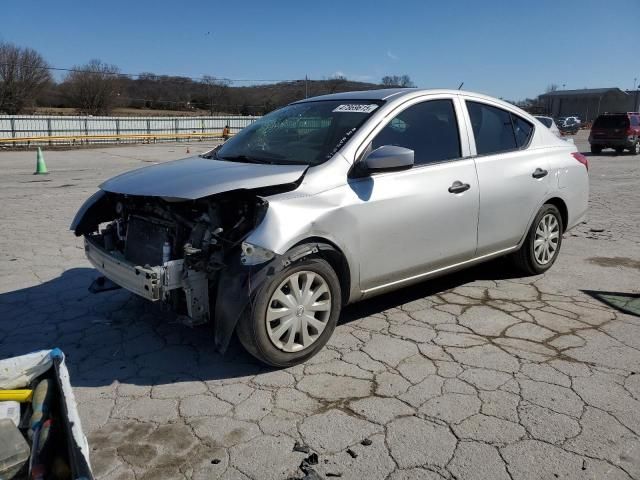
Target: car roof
395,94
387,93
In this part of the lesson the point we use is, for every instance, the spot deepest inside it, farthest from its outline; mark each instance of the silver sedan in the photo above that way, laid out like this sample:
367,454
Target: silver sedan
331,200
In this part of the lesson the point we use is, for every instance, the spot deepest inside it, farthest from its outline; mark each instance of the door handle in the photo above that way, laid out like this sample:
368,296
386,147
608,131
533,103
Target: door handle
459,187
539,173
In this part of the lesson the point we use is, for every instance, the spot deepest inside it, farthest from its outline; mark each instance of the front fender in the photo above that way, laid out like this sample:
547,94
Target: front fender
239,283
95,210
293,220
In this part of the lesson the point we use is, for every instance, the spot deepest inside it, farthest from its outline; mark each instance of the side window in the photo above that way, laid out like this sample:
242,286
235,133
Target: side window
635,121
430,129
497,130
522,130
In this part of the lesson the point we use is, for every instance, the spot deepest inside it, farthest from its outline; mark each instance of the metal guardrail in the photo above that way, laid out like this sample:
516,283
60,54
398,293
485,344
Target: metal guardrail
80,139
61,130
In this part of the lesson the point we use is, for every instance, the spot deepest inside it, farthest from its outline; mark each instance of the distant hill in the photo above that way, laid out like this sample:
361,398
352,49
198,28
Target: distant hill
278,94
184,96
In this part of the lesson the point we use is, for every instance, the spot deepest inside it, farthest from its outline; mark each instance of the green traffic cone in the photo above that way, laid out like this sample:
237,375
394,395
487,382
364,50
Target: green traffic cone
41,167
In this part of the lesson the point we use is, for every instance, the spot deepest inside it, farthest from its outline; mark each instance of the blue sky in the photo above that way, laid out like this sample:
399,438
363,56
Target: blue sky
511,49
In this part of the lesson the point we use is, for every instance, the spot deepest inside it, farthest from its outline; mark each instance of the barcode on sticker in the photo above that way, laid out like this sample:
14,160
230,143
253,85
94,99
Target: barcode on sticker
356,108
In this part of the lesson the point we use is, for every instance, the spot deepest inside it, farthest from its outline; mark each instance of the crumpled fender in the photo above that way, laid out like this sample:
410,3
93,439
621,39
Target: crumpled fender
93,211
238,284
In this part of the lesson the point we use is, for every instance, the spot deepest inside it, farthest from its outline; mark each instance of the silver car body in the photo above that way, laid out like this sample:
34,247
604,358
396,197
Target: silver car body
392,228
398,228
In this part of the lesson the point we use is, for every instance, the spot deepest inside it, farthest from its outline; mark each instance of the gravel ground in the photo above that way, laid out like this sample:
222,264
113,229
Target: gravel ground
477,375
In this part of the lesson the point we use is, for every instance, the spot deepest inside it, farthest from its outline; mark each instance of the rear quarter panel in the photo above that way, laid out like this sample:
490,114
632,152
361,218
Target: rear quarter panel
571,183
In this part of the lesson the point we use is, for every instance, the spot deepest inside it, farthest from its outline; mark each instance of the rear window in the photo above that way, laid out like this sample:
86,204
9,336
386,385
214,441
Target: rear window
546,121
611,121
496,130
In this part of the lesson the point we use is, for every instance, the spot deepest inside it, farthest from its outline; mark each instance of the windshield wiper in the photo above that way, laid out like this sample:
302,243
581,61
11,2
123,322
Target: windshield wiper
243,158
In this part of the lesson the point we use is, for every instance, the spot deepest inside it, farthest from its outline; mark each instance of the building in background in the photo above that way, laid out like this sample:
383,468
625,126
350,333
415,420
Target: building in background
588,103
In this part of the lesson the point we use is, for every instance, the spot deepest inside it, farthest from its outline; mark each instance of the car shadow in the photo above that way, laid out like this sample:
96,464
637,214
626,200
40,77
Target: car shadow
498,269
117,336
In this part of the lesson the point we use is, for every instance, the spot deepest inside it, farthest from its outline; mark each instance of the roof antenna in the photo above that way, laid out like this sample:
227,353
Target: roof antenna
460,86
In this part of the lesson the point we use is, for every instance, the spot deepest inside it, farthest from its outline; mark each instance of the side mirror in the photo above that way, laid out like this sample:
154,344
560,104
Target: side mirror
389,157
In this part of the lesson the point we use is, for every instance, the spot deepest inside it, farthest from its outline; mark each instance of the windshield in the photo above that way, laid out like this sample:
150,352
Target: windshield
307,133
611,121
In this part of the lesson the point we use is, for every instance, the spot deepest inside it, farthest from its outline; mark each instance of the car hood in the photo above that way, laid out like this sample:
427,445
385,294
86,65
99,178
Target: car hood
197,177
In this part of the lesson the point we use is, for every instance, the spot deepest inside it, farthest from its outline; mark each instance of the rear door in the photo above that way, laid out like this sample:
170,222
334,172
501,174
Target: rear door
513,178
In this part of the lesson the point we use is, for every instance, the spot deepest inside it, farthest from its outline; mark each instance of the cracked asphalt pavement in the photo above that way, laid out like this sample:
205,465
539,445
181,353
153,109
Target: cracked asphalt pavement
476,375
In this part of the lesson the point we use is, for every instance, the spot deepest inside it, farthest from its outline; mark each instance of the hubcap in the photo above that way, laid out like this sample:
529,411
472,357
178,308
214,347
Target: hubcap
637,148
298,311
546,240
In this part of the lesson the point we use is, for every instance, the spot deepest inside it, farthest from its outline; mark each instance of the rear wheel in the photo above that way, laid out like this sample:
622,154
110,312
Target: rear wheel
293,314
542,245
596,149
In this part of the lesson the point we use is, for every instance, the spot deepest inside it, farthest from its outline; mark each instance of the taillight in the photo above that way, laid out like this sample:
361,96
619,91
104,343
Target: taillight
581,158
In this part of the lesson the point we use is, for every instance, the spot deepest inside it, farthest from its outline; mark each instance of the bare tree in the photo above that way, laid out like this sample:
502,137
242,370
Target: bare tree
217,90
397,81
23,75
93,88
551,88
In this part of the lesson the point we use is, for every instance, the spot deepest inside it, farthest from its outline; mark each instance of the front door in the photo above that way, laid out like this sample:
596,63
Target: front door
415,221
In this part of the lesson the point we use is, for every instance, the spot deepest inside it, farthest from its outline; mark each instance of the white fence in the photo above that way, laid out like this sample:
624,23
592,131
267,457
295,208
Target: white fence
37,129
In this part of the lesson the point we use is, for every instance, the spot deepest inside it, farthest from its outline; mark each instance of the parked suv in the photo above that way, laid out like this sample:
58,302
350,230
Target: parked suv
331,200
619,131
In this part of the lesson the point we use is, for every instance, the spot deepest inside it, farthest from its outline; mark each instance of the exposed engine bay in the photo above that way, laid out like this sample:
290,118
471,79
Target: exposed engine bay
170,250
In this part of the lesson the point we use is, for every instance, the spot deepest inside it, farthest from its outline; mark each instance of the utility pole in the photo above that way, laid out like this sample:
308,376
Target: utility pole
306,86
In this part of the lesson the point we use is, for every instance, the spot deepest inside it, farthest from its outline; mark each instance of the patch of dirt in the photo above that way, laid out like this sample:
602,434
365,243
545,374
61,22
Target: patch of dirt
615,262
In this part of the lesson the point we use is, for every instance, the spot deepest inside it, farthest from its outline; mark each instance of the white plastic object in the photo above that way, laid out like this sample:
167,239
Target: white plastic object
10,410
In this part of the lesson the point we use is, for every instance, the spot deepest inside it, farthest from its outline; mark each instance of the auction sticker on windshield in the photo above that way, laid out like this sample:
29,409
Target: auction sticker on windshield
355,108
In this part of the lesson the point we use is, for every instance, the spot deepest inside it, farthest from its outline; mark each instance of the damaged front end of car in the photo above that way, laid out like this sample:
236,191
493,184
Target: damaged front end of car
189,254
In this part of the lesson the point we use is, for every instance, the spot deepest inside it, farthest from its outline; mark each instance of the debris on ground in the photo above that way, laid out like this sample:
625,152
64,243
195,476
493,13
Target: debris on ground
310,460
366,442
352,453
300,447
306,466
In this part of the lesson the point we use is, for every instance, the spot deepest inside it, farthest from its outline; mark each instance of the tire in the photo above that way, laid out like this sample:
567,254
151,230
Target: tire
527,259
619,150
260,339
596,149
635,150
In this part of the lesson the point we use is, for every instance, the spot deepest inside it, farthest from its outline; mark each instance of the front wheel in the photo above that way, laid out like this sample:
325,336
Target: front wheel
293,314
542,245
635,150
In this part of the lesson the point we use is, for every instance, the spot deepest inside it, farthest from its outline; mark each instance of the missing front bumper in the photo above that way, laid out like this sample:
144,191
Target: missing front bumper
153,283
